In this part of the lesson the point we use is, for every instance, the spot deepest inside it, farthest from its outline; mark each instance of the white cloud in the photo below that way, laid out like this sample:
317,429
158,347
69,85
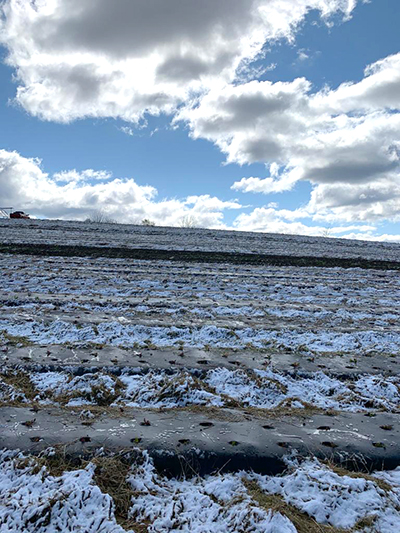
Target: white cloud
379,89
97,58
127,130
68,176
346,142
77,195
251,122
364,202
272,220
274,184
303,55
385,237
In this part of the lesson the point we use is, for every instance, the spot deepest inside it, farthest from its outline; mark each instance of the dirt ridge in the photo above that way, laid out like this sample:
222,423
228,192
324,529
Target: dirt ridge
154,254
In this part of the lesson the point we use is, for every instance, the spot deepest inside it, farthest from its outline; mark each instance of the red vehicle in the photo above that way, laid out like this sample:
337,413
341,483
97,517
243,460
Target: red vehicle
19,214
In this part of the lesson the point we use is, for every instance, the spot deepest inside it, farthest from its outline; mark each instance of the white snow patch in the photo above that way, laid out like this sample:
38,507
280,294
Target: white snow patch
265,389
36,502
40,503
212,505
340,501
116,334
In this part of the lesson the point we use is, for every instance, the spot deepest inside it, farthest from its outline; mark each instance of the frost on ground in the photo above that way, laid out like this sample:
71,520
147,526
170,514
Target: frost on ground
78,233
338,500
32,501
134,335
220,387
10,394
113,301
304,499
127,303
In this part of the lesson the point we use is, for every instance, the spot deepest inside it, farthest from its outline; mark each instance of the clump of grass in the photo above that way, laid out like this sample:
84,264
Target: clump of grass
275,503
21,382
103,396
365,523
110,475
55,463
15,340
149,344
341,471
99,394
177,387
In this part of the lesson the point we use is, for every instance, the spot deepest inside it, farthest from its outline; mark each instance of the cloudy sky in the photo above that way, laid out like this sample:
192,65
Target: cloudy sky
264,115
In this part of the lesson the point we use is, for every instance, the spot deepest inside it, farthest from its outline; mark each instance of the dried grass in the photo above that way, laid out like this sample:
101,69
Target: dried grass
20,381
111,476
14,340
275,503
341,471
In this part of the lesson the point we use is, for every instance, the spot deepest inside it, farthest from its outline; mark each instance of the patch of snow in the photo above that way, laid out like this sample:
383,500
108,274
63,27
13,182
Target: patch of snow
117,334
340,501
8,393
37,502
40,503
158,389
91,386
212,505
265,389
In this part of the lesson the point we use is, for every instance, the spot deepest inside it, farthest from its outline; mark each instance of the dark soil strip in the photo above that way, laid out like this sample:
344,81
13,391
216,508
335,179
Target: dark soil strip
48,250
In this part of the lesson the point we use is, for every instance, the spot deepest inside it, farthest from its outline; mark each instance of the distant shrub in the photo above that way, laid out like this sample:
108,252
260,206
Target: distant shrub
147,222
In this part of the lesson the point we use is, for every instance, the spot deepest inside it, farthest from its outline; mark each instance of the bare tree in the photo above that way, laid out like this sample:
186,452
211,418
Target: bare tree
188,221
326,232
99,217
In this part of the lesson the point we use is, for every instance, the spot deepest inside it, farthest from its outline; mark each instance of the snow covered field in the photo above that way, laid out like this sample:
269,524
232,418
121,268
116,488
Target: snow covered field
133,303
219,387
101,337
309,497
125,235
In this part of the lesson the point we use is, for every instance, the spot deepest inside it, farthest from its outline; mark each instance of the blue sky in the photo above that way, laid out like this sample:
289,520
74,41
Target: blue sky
171,148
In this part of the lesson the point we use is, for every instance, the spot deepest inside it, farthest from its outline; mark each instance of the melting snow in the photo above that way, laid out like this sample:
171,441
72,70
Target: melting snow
260,388
35,502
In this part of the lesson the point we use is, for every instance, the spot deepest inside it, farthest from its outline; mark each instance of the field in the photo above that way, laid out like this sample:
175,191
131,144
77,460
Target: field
243,391
125,236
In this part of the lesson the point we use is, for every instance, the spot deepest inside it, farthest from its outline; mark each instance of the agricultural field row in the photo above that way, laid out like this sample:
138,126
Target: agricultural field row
311,497
136,303
275,375
72,233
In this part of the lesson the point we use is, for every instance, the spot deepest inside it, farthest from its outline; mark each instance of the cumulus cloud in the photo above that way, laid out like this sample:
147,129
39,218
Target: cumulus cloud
98,58
195,60
67,176
273,220
364,202
77,195
380,89
345,142
274,184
